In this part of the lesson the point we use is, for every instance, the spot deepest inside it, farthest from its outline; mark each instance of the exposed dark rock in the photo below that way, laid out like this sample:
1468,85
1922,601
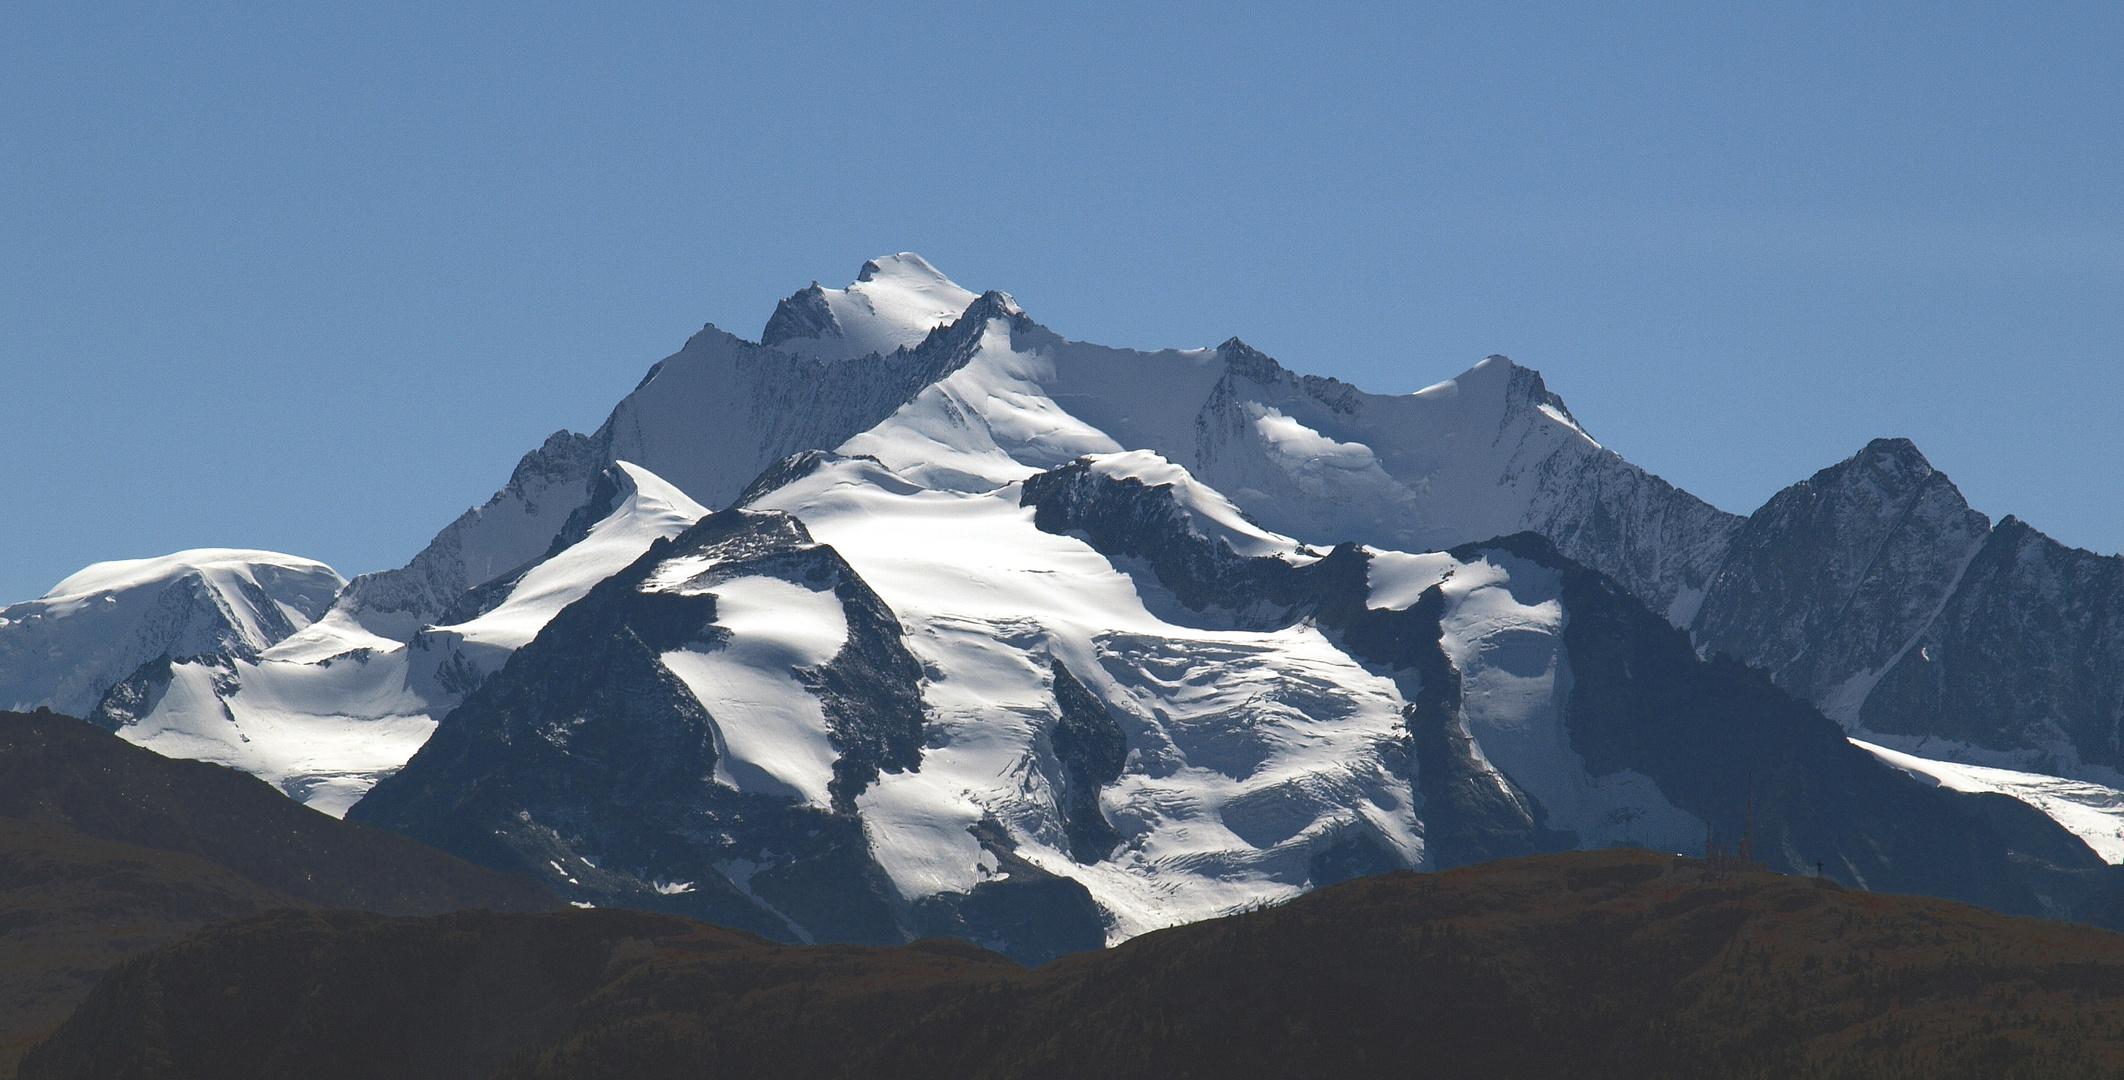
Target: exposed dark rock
1092,748
1471,812
1714,734
1836,574
1248,362
804,314
870,691
585,762
2027,654
134,697
1124,517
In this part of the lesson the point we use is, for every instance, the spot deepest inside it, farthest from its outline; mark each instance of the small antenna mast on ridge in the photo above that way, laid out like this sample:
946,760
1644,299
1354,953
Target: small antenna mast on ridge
1747,844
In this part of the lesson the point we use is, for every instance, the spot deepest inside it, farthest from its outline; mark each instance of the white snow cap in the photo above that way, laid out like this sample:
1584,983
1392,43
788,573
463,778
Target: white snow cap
93,629
119,575
895,300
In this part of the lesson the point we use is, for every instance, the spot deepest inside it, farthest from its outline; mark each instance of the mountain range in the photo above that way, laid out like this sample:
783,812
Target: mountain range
915,618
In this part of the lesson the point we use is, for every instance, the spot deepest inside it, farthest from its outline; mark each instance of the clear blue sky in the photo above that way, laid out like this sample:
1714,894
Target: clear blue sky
311,277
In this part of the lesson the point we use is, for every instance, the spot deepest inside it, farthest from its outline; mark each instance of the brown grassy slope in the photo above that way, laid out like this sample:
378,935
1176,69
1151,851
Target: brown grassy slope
57,769
72,905
1585,964
107,849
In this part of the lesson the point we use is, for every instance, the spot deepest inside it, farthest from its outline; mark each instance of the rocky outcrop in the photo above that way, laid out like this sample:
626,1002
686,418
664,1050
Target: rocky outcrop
1724,743
490,541
1873,590
804,314
1492,451
1831,580
1092,748
589,764
2026,658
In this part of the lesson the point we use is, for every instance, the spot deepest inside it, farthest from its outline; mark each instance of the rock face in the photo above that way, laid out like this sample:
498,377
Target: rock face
2027,658
1487,453
1874,591
1829,582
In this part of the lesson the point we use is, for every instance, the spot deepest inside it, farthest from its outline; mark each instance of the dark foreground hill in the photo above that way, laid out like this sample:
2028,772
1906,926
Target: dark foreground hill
1587,964
107,849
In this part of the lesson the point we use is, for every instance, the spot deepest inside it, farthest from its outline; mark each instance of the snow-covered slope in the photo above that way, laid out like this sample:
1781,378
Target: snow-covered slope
66,648
327,711
2093,812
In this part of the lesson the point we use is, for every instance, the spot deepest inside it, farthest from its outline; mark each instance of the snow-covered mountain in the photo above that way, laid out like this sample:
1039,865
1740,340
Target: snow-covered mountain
1488,453
710,418
985,671
1098,700
1045,643
325,712
64,649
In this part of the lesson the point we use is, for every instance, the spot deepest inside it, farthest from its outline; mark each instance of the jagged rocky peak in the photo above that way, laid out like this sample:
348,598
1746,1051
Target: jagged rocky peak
1245,361
962,334
1832,578
894,302
66,648
496,539
804,314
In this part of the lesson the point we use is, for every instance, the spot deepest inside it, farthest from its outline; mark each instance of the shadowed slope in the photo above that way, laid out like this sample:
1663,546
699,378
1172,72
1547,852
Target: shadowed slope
1615,963
72,905
107,849
60,770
